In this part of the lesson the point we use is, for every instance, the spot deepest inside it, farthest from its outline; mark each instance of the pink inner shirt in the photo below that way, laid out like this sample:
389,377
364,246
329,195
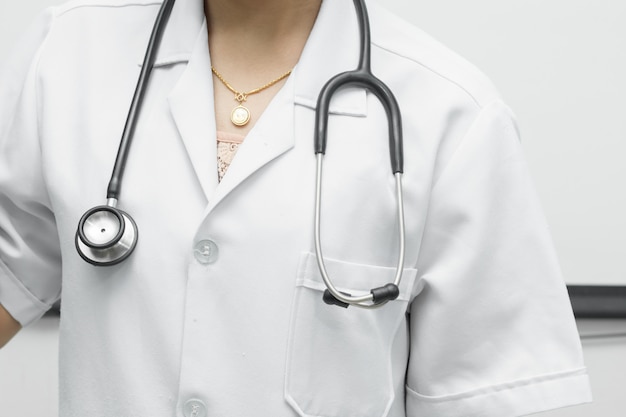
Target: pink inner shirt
227,145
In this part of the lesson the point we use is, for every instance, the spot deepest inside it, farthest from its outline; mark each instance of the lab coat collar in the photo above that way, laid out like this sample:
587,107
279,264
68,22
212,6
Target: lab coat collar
192,108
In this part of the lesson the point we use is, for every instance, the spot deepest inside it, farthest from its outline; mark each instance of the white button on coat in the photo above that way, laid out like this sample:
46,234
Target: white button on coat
206,252
194,408
482,327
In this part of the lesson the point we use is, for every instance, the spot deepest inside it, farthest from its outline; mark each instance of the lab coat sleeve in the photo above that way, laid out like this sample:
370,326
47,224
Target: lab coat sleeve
492,332
30,267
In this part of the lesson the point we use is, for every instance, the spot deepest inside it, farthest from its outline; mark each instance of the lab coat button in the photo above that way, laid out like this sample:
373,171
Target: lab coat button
205,252
194,408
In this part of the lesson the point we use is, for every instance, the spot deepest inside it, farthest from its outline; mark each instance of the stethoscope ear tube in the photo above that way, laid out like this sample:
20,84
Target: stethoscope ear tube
379,296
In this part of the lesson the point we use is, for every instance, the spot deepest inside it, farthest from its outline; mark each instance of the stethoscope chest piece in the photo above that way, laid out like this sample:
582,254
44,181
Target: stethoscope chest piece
106,236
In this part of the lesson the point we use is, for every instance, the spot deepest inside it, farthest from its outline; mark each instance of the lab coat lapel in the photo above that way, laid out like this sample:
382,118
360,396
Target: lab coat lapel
331,48
272,136
191,105
185,41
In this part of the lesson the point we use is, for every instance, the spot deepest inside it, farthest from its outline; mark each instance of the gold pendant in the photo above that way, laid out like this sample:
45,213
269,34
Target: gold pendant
240,116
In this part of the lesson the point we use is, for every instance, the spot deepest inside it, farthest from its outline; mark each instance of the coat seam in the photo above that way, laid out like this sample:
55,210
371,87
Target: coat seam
69,8
492,389
426,67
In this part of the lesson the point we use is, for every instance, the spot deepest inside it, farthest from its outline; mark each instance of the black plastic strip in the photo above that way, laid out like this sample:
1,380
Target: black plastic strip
598,301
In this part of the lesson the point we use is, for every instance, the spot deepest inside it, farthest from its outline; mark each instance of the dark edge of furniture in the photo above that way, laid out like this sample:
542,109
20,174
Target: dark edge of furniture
598,301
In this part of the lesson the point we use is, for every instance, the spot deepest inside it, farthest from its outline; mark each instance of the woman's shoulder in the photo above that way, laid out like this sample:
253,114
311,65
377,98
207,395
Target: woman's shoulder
82,29
411,46
83,14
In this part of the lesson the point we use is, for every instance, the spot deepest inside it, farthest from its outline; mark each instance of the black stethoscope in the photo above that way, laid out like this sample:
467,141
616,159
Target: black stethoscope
107,235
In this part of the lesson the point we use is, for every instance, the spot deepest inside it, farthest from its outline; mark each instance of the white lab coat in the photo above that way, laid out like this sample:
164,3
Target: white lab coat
482,326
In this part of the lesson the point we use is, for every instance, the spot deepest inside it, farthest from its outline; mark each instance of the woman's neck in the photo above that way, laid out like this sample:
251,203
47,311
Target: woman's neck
259,32
265,17
253,42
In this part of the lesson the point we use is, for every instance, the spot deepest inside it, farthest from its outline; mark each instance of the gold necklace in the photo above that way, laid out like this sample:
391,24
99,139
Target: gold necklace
240,116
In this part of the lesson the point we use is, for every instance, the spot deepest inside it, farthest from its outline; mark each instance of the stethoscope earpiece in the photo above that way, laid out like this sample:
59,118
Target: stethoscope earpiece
106,236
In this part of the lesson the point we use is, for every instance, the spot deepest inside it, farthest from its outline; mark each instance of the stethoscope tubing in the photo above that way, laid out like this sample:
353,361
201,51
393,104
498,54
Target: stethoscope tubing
364,79
115,184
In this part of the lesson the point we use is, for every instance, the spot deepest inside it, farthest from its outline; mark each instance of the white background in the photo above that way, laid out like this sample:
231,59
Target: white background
561,66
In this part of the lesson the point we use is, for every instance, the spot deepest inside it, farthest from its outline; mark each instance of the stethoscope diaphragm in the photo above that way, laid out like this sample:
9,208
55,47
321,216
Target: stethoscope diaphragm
106,236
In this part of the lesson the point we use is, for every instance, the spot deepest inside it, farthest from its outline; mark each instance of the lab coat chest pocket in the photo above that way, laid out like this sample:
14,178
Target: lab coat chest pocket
339,360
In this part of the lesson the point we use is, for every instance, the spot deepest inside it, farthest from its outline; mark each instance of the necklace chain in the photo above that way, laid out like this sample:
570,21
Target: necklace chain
240,96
